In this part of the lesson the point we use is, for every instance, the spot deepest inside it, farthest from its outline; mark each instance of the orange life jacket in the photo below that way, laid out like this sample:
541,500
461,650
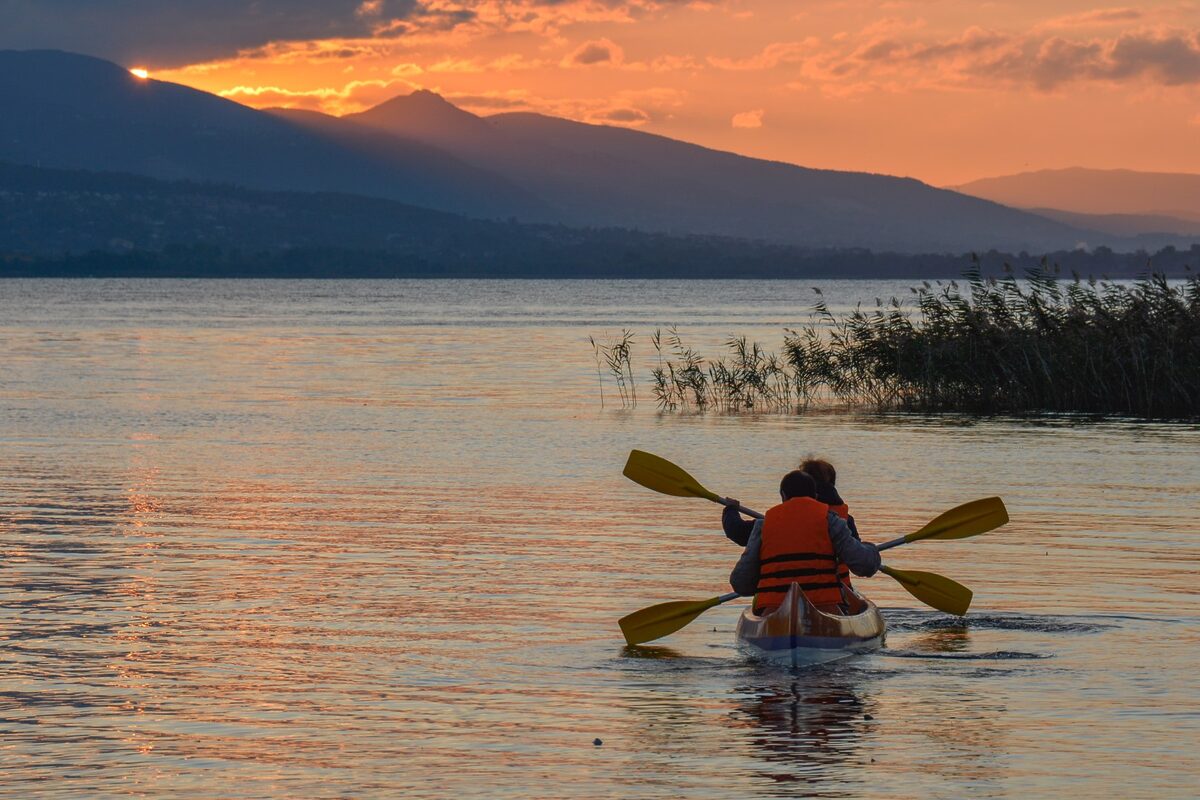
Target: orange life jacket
843,511
796,548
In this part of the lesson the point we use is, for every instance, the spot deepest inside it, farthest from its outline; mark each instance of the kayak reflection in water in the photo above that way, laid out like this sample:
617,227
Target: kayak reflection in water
812,728
802,540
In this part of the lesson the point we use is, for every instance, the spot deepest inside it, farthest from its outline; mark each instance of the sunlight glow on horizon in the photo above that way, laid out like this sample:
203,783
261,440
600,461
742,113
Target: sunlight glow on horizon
140,72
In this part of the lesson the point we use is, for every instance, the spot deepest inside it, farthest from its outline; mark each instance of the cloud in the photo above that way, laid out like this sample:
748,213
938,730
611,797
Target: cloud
170,34
599,51
464,65
508,63
629,108
510,100
980,57
167,33
773,55
354,96
549,18
748,119
1170,59
1095,17
1163,58
624,116
667,63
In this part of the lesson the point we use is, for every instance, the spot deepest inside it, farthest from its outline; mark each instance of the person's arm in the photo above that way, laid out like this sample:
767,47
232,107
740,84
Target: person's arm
861,557
744,578
736,528
853,528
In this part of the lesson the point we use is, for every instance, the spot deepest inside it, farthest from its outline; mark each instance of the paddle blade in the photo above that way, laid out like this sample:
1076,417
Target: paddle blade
658,621
969,519
936,591
662,476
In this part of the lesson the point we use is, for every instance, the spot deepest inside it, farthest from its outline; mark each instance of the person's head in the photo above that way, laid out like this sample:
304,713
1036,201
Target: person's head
820,470
797,484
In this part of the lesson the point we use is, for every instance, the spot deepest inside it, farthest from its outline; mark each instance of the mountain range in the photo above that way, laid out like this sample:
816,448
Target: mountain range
1120,201
74,112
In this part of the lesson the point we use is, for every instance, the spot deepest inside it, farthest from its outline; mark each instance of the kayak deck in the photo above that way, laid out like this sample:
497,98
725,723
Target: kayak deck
799,633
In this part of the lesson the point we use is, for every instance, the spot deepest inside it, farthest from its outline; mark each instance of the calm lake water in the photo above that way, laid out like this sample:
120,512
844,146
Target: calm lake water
371,539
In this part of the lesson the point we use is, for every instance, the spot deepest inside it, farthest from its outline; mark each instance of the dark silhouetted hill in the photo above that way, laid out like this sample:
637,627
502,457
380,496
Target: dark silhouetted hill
602,175
76,112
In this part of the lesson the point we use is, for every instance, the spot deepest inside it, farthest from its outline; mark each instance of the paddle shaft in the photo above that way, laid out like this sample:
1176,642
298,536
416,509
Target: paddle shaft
725,501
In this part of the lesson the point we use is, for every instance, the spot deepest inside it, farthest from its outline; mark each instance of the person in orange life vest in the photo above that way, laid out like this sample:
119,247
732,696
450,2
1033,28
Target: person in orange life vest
825,476
800,540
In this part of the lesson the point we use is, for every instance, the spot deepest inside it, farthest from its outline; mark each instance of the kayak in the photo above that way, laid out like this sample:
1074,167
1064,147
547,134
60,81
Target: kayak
798,633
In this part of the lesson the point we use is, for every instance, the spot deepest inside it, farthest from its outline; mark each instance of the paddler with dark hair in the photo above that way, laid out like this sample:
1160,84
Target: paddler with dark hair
800,540
825,476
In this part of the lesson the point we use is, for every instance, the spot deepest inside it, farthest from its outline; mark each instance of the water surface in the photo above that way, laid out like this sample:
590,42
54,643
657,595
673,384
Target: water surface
328,539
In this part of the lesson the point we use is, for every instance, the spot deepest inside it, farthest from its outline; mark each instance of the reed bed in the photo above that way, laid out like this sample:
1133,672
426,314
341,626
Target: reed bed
997,345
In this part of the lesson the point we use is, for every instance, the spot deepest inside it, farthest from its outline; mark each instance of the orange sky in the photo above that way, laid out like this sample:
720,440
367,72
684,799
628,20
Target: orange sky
942,91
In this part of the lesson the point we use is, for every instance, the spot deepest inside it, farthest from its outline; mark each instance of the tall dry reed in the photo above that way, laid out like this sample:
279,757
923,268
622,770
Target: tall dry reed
997,346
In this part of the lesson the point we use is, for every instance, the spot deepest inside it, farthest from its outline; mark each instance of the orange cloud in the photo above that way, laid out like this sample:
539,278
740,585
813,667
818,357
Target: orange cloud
354,96
632,117
1099,16
981,58
492,102
509,63
748,119
600,51
773,55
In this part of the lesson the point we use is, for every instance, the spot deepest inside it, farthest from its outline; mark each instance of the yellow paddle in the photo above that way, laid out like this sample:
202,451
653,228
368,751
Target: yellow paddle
658,621
969,519
936,591
655,472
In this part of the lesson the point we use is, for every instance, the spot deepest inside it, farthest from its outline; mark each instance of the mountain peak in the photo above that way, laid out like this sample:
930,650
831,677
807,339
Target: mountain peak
424,115
421,102
428,96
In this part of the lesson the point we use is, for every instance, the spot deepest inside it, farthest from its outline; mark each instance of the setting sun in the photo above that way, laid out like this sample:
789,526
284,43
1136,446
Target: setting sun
140,72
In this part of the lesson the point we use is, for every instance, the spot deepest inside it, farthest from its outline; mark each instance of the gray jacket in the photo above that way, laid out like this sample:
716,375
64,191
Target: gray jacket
861,557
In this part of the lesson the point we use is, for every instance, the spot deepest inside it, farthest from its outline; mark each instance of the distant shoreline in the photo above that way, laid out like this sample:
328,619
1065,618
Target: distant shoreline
668,260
